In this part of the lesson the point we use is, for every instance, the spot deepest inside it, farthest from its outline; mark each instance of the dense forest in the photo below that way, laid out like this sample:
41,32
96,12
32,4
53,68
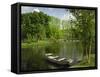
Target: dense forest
42,29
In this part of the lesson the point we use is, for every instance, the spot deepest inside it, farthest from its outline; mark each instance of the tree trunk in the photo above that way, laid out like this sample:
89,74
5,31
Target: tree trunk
84,51
89,55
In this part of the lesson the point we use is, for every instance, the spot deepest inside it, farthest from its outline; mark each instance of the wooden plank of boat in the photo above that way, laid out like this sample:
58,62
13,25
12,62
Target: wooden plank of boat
57,60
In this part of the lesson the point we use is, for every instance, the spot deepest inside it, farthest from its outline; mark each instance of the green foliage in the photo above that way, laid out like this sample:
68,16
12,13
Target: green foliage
34,25
54,27
84,23
39,26
84,28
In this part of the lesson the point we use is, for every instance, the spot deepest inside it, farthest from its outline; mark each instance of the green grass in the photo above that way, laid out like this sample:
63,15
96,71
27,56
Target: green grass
32,44
85,63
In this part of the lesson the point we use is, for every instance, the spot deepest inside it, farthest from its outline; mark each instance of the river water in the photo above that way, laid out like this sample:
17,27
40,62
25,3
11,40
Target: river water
32,58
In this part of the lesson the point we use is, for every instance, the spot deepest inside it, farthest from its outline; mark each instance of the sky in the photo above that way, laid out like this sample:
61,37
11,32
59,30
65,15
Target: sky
60,13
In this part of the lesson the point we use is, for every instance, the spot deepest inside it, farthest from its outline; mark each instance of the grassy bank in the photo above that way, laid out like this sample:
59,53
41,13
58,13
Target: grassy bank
32,44
84,63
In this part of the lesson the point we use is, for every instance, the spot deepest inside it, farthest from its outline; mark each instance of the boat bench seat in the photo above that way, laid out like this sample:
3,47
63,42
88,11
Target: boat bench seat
61,59
53,57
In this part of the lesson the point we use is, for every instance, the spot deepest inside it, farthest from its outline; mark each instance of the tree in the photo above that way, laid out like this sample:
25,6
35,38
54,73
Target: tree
34,25
54,28
84,29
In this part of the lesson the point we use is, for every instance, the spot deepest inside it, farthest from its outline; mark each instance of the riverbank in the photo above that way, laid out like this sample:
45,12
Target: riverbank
84,62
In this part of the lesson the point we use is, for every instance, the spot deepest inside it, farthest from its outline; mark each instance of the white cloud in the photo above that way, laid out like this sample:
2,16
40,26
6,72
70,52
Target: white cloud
27,9
36,9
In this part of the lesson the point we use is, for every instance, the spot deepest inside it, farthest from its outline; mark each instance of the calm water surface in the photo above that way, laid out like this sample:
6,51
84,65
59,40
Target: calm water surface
32,58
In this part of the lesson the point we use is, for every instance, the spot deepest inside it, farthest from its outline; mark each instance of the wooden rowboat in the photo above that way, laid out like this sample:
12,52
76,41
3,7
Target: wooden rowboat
56,60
